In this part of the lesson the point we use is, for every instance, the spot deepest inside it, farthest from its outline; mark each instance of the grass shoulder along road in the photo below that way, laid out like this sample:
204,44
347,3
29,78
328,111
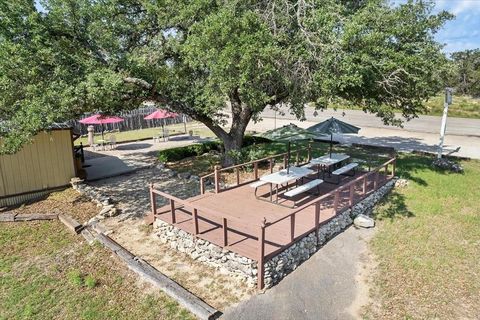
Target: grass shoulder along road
428,244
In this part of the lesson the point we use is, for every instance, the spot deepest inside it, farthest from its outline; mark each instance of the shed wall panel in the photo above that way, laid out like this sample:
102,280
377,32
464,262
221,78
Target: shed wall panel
45,163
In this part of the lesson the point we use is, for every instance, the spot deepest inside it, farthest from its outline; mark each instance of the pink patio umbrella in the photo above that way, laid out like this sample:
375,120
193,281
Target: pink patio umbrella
101,120
161,114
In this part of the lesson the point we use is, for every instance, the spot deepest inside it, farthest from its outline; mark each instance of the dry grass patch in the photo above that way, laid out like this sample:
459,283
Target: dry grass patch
67,201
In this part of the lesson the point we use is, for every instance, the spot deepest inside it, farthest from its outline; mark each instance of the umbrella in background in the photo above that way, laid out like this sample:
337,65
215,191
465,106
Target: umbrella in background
161,114
331,126
288,133
101,119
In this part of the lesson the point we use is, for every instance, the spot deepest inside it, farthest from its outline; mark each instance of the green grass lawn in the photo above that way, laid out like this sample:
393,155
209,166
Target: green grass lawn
133,135
428,245
48,273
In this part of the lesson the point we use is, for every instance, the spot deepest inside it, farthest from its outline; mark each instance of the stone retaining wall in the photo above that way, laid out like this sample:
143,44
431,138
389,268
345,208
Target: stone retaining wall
277,267
207,252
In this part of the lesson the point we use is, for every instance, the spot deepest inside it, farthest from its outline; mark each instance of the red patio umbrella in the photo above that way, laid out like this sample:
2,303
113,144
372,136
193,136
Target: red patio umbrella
162,114
101,119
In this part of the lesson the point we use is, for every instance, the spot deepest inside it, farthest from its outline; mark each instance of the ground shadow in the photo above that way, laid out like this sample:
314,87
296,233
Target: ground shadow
392,206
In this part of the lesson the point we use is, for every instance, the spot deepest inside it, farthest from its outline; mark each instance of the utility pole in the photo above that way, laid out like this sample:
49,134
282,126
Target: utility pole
448,101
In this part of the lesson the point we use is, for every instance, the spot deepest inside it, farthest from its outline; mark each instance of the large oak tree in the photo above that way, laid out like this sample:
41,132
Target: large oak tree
200,57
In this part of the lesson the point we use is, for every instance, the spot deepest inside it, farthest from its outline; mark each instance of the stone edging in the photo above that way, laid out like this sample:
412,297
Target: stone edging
277,267
103,201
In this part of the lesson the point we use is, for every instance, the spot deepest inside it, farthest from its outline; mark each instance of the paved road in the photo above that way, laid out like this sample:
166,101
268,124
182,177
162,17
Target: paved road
427,124
327,286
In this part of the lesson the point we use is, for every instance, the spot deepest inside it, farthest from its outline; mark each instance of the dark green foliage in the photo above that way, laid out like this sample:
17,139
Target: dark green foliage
179,153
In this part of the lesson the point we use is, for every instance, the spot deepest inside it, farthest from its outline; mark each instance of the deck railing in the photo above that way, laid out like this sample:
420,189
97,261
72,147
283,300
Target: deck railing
296,155
258,229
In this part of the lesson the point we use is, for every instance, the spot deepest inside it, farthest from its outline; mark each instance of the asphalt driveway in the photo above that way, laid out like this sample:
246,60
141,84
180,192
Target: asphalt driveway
329,285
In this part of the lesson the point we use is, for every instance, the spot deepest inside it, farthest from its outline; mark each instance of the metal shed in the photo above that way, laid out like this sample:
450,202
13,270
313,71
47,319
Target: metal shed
39,167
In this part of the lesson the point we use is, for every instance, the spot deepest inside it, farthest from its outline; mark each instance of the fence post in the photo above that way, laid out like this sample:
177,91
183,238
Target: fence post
195,222
335,201
202,185
271,165
292,227
375,181
153,201
394,164
261,253
225,232
172,210
255,170
217,178
364,185
352,194
317,220
238,175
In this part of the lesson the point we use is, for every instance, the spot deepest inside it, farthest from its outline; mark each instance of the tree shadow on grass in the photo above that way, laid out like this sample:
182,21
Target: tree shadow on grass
393,206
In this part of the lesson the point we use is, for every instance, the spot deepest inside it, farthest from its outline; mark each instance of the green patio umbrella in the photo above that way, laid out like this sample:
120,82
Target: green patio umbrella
331,126
288,133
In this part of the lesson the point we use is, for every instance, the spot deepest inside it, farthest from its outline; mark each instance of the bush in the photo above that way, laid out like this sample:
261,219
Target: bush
179,153
249,140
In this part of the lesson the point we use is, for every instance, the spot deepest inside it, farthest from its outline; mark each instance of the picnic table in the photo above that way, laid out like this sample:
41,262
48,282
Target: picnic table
281,177
326,162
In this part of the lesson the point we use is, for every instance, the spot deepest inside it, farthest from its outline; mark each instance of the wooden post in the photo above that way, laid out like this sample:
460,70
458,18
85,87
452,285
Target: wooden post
317,219
172,210
309,152
394,165
364,191
285,158
271,165
375,181
202,185
225,232
335,201
261,253
217,178
237,171
153,199
195,221
352,194
292,227
255,170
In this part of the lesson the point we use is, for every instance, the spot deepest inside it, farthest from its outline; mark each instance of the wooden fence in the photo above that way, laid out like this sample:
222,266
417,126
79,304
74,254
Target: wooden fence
271,160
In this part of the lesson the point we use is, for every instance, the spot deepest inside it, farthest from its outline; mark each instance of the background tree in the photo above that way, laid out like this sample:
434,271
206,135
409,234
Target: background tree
466,72
203,57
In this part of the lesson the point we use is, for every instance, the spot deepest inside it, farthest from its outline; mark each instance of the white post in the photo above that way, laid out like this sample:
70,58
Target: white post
448,101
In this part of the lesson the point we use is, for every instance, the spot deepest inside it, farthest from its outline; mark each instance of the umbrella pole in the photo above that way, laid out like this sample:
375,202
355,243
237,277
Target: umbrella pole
163,130
103,138
288,158
331,143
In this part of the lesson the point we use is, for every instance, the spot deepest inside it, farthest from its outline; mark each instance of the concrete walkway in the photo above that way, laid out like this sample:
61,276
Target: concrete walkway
330,285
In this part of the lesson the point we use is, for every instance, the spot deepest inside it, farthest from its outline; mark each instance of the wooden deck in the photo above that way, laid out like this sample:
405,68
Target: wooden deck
235,217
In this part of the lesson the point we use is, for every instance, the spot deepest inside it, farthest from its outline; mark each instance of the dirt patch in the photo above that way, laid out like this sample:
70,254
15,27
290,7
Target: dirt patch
217,289
67,201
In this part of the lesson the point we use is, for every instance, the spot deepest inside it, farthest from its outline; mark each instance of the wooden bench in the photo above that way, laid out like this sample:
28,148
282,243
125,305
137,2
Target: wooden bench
343,170
303,188
257,184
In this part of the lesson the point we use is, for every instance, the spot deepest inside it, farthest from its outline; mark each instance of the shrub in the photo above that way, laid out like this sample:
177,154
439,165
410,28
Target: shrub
90,282
249,140
75,278
179,153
